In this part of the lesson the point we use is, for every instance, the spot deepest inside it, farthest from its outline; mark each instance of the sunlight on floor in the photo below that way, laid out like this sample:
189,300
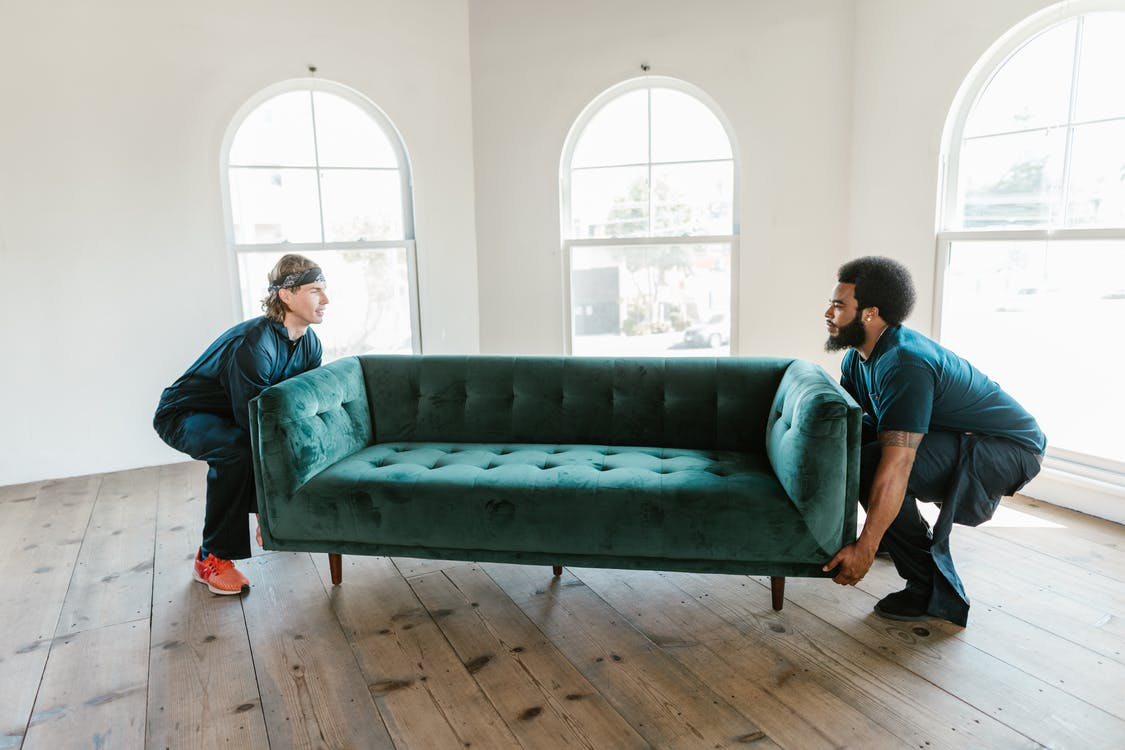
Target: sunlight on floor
1011,518
1005,517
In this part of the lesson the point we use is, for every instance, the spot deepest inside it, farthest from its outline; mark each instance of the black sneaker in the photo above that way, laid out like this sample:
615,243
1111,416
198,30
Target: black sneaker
908,605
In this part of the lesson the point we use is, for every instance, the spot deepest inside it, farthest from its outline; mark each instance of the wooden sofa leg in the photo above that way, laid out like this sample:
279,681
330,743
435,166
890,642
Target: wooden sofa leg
335,567
777,591
557,570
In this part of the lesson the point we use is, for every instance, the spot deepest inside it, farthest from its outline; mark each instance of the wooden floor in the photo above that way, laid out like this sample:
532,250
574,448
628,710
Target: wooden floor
107,643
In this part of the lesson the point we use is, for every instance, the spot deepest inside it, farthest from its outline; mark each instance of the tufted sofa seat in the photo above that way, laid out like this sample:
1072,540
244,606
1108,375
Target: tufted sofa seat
722,465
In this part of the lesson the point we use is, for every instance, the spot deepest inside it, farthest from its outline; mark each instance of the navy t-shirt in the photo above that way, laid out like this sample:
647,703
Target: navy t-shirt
913,384
239,365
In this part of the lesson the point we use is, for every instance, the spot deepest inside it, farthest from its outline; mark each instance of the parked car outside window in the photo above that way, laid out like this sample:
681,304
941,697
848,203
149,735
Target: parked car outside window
714,333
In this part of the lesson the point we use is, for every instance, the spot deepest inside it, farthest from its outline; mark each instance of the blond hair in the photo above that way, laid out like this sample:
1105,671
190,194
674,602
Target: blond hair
289,264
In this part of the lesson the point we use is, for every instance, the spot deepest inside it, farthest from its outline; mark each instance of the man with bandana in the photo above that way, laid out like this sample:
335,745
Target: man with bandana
205,413
935,429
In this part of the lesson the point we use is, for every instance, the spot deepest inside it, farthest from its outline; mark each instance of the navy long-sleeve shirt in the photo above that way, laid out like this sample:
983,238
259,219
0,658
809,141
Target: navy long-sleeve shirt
239,365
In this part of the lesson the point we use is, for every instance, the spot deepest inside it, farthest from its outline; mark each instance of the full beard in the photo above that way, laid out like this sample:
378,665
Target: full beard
851,335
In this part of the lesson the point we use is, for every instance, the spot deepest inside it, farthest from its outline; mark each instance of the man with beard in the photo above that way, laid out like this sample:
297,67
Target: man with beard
935,429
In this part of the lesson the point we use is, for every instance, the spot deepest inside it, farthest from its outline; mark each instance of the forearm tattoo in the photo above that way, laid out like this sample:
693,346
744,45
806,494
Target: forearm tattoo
895,438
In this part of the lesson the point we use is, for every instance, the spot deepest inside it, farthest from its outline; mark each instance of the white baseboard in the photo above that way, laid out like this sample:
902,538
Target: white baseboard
1094,497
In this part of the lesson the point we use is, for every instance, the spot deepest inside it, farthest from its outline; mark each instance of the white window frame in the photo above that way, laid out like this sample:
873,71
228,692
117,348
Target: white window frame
406,185
1084,482
568,244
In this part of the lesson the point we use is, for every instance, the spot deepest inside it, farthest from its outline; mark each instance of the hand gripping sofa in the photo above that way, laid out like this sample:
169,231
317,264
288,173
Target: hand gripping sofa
745,465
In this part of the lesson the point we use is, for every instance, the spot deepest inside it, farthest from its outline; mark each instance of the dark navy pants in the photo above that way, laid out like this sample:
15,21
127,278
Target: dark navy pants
230,476
965,475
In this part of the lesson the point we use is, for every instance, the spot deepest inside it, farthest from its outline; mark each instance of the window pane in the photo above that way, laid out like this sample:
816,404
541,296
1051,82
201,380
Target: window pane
278,133
274,205
1097,175
617,134
1031,89
1010,180
651,300
361,204
346,136
685,129
611,202
1013,309
693,199
368,293
1101,94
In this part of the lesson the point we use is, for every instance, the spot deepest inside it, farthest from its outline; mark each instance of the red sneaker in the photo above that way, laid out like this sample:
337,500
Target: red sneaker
220,576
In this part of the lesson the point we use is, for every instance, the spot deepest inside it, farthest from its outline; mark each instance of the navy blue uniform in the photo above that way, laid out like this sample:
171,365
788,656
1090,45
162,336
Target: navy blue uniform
205,414
979,445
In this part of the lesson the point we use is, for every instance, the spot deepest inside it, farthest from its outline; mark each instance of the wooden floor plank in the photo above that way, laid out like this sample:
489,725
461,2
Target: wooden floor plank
790,705
44,541
915,710
40,538
1077,524
312,691
202,690
112,581
1042,530
426,696
587,711
93,692
939,653
1068,664
685,661
24,642
1076,580
409,567
20,493
529,708
1091,619
668,705
1059,543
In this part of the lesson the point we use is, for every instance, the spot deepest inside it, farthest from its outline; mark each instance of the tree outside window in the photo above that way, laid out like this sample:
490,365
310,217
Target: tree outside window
649,226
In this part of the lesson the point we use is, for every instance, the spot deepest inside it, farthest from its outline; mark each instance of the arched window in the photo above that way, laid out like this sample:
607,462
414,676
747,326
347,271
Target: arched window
313,167
1032,238
648,189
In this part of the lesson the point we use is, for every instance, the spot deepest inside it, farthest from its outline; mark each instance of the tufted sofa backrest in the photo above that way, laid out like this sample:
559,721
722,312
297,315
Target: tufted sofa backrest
707,403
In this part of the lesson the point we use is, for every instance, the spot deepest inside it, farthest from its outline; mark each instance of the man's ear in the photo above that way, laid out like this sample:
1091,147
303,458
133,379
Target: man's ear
869,313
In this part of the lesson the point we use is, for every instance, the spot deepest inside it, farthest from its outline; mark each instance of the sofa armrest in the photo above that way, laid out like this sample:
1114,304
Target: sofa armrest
813,444
303,425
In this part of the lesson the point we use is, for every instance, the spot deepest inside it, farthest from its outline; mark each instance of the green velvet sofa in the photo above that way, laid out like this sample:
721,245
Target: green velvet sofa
743,465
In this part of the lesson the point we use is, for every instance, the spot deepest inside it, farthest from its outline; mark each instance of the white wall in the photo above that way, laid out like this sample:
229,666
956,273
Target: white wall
780,71
910,60
111,237
838,109
112,250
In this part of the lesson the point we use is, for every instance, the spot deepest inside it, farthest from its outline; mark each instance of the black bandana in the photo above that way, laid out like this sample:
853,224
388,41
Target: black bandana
311,276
